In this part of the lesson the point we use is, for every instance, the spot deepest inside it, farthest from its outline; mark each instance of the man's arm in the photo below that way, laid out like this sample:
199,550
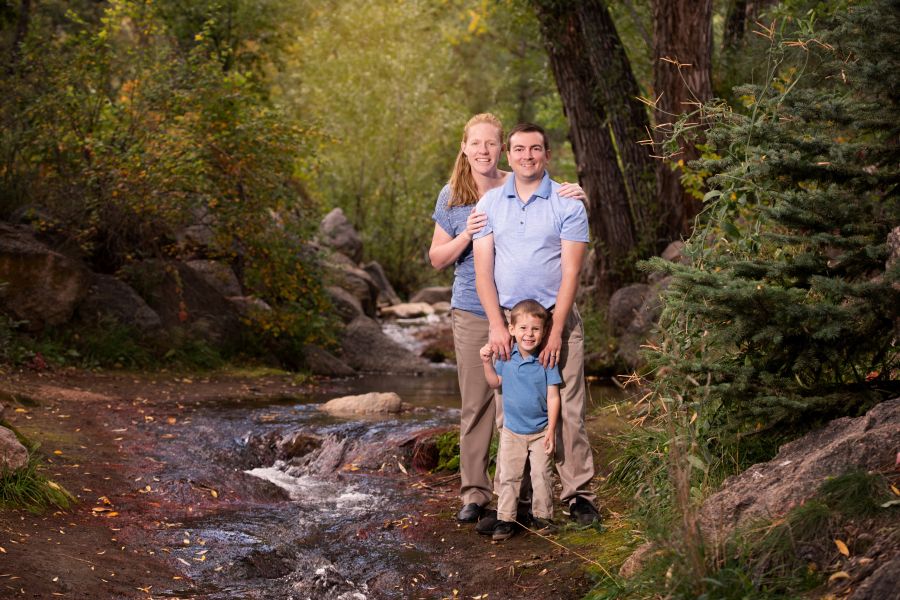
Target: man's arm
571,260
498,336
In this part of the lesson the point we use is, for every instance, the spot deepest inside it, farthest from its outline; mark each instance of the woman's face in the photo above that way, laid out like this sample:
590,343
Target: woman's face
482,148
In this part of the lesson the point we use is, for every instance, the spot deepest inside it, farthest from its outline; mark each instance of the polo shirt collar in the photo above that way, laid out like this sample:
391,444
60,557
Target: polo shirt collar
543,191
522,359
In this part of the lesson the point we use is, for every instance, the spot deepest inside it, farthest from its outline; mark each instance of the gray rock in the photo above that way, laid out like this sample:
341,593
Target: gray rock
347,306
340,271
322,362
441,307
336,232
769,490
248,306
43,287
674,252
109,298
386,293
640,330
13,455
366,348
408,310
183,299
219,275
883,584
635,563
371,403
624,304
431,295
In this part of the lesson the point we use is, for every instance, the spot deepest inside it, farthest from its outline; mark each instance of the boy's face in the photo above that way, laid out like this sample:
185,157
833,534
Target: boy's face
528,331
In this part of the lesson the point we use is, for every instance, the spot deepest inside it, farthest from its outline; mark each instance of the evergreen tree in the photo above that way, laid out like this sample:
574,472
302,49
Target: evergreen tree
786,316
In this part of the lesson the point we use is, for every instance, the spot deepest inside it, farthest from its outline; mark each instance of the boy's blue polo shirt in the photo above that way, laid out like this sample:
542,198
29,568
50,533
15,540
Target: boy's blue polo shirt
452,219
528,239
524,388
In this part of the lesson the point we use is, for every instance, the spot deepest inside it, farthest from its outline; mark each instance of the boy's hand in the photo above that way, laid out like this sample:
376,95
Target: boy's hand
549,443
486,353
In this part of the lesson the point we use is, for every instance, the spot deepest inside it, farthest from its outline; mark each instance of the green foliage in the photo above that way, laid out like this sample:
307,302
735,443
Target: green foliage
788,309
448,451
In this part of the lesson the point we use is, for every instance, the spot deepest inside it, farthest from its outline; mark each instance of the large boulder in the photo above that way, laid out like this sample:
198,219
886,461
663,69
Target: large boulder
371,403
640,330
340,271
769,490
386,293
366,348
42,287
13,455
182,298
322,362
346,305
219,275
338,233
433,295
624,304
109,298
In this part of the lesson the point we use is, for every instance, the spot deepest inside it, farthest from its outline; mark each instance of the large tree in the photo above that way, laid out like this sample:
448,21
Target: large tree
599,93
682,68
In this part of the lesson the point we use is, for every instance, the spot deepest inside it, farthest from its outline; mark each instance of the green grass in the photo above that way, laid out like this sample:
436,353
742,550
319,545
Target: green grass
27,487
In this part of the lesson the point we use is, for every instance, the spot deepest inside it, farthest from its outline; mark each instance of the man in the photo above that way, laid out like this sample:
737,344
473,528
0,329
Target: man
532,247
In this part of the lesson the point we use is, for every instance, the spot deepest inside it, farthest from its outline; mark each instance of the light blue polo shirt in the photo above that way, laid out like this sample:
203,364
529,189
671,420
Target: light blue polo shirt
452,219
528,239
524,388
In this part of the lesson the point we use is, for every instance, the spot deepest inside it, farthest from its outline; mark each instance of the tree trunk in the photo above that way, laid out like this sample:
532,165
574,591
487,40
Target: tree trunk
741,15
682,53
612,224
22,25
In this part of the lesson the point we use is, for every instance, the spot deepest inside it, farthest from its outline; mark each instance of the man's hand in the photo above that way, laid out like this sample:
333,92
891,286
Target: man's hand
475,222
549,356
549,442
500,342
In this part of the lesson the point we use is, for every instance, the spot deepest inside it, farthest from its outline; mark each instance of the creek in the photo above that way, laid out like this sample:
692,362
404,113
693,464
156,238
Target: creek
345,524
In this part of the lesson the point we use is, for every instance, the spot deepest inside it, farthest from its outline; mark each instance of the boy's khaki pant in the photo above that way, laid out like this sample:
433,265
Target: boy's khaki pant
476,426
515,450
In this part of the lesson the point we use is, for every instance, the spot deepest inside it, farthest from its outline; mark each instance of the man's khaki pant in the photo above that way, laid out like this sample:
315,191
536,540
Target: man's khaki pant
574,458
515,451
476,426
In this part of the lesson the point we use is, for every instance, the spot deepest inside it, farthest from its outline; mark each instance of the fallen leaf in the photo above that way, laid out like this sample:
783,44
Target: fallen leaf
402,468
57,452
214,493
171,420
2,550
895,490
183,561
839,575
842,547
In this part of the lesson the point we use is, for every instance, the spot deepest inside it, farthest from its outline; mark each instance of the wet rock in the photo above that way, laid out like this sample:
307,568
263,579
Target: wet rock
219,275
42,287
432,295
323,581
183,299
322,362
13,455
769,490
366,348
371,403
386,293
346,305
109,298
264,450
336,232
409,310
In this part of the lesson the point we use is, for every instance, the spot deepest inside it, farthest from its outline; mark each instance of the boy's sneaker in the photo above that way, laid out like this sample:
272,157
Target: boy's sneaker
543,526
503,531
487,522
583,512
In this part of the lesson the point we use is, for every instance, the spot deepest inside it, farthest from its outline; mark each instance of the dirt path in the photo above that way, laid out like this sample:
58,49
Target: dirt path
101,434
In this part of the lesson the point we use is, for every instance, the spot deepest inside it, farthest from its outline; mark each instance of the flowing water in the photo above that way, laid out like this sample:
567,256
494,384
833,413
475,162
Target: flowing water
339,528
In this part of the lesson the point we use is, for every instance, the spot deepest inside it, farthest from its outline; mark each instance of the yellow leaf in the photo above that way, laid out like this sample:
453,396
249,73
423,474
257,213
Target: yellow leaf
842,547
2,550
57,452
839,575
214,493
895,490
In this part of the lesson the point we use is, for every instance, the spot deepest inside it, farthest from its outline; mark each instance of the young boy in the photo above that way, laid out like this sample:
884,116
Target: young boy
530,413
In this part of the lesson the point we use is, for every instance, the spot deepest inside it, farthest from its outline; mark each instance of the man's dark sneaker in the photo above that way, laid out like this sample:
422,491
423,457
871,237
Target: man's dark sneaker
503,531
543,526
487,522
469,513
583,512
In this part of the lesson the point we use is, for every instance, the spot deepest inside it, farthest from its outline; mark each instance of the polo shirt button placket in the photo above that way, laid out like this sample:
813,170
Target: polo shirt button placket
522,221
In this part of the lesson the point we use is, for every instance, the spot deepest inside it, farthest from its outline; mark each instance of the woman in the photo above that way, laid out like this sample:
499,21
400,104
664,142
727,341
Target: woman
455,222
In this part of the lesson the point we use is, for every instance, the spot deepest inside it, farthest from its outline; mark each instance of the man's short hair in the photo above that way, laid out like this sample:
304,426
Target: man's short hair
527,128
528,307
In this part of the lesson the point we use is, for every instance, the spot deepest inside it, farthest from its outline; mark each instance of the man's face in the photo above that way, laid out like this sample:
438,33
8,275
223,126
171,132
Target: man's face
527,156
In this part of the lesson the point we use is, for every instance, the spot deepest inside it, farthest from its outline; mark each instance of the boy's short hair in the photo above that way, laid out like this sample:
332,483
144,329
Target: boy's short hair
528,307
